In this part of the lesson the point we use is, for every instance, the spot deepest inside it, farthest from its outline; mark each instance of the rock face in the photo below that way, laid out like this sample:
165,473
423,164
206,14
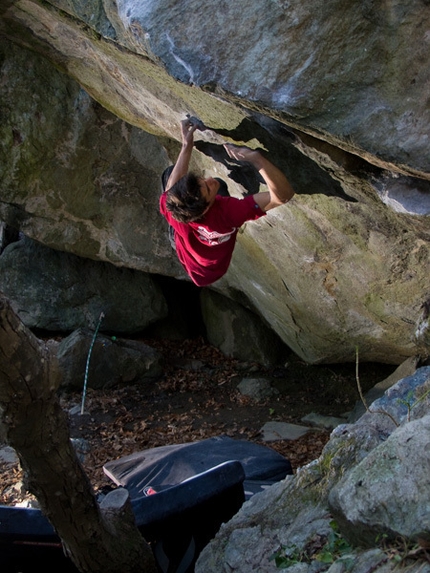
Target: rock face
372,479
60,292
390,471
110,361
237,332
338,96
75,177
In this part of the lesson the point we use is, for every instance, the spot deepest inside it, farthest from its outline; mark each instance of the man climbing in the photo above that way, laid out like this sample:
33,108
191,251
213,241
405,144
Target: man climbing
204,223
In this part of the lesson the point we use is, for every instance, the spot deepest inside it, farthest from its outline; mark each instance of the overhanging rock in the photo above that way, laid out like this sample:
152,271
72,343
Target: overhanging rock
342,114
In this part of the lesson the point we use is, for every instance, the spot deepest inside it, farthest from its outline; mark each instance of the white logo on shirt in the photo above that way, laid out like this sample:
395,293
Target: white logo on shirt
213,237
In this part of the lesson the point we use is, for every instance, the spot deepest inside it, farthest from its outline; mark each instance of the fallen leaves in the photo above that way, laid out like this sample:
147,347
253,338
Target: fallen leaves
196,398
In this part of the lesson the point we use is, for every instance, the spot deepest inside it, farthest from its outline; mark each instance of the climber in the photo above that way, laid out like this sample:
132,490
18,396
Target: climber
203,221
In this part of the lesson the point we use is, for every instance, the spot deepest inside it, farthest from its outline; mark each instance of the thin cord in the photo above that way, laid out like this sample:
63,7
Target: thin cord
88,361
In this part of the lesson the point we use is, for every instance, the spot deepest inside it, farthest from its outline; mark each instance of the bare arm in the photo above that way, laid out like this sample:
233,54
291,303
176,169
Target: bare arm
280,189
182,163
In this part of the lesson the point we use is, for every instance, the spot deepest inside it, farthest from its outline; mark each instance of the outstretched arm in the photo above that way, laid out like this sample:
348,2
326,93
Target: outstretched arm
182,163
280,189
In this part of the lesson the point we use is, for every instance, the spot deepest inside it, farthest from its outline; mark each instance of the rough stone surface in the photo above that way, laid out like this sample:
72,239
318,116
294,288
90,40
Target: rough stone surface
238,332
389,489
74,176
407,368
56,291
354,73
110,362
317,421
275,431
8,455
407,400
338,96
362,465
257,388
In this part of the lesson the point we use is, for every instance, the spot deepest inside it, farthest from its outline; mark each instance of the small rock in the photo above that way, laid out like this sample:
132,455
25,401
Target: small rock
275,431
186,364
75,410
8,455
29,503
324,422
82,447
257,388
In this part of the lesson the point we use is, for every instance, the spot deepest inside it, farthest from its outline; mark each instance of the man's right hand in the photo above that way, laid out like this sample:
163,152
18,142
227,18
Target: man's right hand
187,129
180,168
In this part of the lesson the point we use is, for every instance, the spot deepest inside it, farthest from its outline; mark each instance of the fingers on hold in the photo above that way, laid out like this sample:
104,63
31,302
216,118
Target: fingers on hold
189,125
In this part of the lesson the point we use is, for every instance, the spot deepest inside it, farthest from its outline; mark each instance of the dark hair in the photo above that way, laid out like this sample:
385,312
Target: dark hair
185,201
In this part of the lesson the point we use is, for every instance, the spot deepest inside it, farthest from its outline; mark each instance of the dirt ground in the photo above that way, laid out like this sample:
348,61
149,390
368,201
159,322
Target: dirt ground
197,398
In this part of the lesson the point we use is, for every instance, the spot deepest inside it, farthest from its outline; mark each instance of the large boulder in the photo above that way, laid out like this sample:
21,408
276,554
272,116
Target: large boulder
88,359
369,486
350,73
55,291
398,469
75,177
238,332
345,263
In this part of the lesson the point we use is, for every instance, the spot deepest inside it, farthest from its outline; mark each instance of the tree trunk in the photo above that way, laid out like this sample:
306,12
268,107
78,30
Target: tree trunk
34,424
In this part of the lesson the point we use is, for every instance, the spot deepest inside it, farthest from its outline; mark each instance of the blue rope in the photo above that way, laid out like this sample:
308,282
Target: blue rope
88,361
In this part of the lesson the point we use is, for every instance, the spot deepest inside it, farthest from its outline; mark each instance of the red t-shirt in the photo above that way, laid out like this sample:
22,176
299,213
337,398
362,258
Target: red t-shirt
205,247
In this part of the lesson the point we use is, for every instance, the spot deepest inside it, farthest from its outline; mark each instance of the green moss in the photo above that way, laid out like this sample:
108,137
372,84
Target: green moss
376,304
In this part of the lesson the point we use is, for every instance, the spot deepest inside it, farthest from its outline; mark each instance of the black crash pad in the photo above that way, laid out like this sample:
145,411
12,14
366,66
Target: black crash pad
159,468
